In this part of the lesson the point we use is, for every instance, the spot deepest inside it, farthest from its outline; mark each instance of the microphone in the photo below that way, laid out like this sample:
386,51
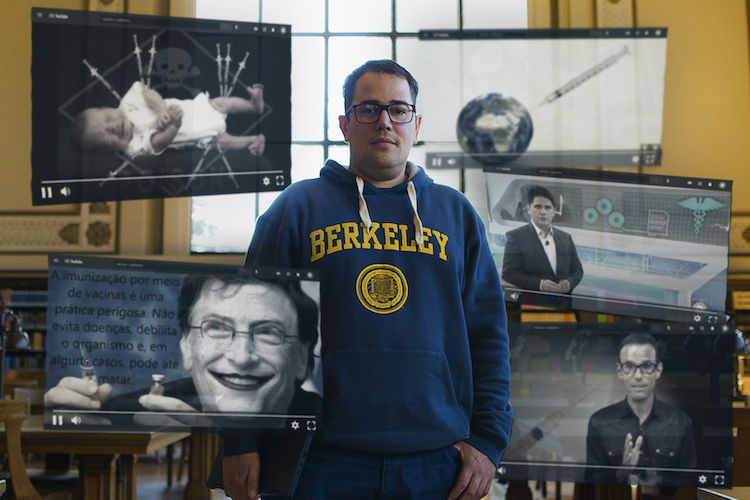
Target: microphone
546,243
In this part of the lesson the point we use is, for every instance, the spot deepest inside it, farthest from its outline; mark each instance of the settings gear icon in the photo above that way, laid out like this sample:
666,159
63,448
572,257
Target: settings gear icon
295,425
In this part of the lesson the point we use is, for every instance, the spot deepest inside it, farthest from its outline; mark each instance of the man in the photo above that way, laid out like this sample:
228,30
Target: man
247,344
538,257
415,346
640,434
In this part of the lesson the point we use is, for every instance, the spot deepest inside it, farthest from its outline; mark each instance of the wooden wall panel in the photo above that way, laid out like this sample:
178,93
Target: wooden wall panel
614,13
107,5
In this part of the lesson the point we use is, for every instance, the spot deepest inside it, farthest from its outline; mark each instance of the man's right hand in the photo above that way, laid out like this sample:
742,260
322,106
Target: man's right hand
550,286
76,392
632,452
241,474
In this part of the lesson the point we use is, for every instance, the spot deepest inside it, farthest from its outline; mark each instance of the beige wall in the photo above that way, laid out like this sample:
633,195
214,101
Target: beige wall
706,112
707,90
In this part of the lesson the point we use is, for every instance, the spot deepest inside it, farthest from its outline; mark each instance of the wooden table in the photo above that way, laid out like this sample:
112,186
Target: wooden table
98,453
736,493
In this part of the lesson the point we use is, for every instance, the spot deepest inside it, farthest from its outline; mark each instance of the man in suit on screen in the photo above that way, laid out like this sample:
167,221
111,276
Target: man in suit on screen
538,256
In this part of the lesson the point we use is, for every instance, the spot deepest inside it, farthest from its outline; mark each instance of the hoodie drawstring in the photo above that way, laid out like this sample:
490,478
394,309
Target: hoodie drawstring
418,232
364,213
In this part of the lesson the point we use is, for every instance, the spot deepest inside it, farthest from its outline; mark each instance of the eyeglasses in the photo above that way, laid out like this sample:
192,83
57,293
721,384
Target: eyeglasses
267,334
646,368
370,113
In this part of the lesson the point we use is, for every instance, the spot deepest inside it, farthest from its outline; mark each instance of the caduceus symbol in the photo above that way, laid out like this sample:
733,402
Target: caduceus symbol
700,206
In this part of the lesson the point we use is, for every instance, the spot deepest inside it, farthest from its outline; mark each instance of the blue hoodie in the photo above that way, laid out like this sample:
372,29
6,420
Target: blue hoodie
415,345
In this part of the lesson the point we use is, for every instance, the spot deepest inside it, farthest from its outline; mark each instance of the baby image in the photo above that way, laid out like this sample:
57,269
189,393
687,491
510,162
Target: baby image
147,124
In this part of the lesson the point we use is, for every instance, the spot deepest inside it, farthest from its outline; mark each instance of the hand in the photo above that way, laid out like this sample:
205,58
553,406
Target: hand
154,403
632,452
564,286
477,473
175,115
163,119
164,403
188,416
241,474
551,286
75,392
257,146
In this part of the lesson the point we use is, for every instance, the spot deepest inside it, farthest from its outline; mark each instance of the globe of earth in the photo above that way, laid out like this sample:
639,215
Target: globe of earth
493,128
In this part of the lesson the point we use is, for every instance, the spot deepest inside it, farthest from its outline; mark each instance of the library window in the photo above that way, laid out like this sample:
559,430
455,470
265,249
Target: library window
329,40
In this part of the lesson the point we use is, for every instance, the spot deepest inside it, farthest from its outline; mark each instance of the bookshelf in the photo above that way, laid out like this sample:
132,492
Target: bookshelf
27,298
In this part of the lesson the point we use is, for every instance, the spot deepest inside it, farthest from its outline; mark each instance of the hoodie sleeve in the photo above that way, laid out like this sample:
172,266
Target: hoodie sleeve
236,442
487,326
276,240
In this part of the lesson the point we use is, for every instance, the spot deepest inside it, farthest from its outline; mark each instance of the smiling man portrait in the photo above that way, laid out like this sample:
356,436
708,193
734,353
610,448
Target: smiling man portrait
248,345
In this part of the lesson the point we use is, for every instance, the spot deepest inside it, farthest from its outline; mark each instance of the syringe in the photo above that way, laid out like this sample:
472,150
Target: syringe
586,75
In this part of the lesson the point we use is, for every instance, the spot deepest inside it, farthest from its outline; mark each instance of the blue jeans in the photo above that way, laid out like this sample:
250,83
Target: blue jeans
332,472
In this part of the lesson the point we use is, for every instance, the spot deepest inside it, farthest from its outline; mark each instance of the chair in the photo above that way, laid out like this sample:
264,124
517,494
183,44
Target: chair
25,379
57,466
182,460
33,395
11,386
13,413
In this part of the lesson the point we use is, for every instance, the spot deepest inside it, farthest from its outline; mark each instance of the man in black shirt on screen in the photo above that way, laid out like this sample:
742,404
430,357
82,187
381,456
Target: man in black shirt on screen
631,441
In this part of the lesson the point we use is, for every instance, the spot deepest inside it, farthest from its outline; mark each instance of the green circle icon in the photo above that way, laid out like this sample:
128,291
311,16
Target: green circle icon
616,220
604,206
590,216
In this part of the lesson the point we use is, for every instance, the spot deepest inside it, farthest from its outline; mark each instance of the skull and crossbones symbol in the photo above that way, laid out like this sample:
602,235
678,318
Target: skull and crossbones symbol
173,66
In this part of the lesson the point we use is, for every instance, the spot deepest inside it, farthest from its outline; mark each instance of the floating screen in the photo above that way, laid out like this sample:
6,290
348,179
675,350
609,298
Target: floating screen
145,344
629,244
576,97
571,397
132,107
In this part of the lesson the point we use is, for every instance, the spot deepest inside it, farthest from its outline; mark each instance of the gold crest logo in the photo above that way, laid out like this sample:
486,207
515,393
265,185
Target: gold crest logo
382,288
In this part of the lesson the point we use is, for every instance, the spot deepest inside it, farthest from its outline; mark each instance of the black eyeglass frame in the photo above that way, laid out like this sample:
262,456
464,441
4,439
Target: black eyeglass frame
638,367
235,332
353,108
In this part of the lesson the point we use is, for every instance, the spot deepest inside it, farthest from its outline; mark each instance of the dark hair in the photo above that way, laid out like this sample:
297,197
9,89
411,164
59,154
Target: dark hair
77,129
534,190
382,66
307,309
640,339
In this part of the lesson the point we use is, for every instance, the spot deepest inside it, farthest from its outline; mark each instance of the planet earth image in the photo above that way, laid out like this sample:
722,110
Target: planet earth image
493,128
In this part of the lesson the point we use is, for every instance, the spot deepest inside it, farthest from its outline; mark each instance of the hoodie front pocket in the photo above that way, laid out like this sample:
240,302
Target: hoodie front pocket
390,389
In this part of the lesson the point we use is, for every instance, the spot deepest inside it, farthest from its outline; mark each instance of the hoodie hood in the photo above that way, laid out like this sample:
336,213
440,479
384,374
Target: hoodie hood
417,179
